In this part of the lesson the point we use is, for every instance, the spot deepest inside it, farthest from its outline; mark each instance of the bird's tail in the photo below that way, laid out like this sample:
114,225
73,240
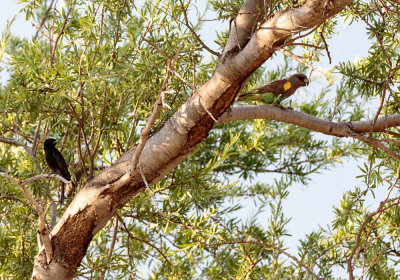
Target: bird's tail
62,194
244,95
247,94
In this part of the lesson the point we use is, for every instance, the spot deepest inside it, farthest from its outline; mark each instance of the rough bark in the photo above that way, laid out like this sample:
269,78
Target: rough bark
98,200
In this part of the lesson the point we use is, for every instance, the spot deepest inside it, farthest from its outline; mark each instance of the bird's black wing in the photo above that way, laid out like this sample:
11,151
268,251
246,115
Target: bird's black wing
62,165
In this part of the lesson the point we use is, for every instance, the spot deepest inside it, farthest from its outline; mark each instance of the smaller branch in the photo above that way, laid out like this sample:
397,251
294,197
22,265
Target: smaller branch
389,140
144,134
157,48
291,41
305,45
44,19
265,245
375,261
380,107
150,193
376,144
14,142
60,34
326,46
135,116
194,33
378,38
249,112
297,58
155,203
43,230
144,241
378,212
36,137
114,238
202,103
53,217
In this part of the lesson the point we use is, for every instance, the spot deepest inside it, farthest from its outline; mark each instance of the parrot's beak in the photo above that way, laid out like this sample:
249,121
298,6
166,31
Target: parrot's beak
306,81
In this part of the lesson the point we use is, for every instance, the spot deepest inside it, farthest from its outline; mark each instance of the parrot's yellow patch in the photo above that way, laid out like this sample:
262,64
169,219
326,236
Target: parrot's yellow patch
287,86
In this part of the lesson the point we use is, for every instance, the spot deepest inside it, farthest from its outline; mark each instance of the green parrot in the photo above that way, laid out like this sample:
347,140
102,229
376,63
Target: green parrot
276,91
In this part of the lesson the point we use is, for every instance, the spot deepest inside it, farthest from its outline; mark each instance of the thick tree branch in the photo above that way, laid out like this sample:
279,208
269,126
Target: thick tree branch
347,129
288,115
244,24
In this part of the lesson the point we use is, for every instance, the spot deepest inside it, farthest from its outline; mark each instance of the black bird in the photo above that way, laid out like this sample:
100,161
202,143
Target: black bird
57,163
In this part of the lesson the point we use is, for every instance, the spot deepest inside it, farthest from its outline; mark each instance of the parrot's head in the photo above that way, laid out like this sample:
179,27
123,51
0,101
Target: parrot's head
302,79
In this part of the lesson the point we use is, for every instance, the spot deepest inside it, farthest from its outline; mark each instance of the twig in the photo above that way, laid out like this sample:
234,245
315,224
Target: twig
53,51
43,230
157,48
326,45
182,79
142,240
194,33
376,144
163,94
202,103
36,137
43,176
35,144
144,134
14,142
41,32
379,211
114,238
155,203
266,245
135,116
297,58
44,19
150,193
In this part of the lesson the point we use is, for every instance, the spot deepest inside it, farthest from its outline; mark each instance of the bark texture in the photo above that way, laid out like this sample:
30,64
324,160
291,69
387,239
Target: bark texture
97,202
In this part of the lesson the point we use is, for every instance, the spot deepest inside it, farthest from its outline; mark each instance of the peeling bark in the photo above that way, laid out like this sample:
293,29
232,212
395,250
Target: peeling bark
98,200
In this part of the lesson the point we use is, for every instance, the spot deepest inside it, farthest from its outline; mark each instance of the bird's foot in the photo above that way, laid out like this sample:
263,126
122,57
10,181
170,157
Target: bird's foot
282,107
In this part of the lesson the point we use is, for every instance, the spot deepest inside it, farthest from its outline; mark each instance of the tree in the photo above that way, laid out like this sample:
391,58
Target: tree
162,158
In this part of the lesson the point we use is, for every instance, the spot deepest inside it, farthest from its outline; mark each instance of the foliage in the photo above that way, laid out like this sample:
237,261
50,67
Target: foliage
90,78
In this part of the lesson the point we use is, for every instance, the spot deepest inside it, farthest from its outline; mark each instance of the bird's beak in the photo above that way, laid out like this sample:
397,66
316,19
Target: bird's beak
306,81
